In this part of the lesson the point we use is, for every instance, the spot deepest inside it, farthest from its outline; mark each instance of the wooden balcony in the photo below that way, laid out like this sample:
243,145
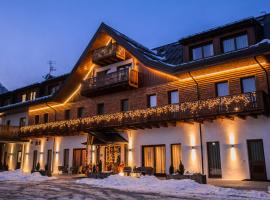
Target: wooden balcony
242,105
109,54
9,133
113,82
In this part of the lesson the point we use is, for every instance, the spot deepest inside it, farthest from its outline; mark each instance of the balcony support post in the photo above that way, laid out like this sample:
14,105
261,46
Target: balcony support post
200,124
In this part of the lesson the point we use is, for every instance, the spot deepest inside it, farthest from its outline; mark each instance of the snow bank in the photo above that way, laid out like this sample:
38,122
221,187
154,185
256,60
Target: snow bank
171,187
18,175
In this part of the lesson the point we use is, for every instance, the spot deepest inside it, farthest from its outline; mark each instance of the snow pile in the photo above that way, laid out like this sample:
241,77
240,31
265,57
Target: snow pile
18,175
171,187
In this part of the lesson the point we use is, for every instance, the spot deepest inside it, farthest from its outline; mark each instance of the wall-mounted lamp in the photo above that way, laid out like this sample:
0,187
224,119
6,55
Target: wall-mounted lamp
232,145
192,147
27,153
236,108
57,152
41,152
130,149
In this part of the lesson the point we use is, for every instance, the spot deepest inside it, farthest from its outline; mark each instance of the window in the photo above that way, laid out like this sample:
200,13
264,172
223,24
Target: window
100,108
67,114
154,156
24,97
52,89
248,84
22,121
66,157
32,95
176,156
124,105
214,164
234,43
80,112
202,51
8,122
173,97
36,119
222,89
46,118
152,101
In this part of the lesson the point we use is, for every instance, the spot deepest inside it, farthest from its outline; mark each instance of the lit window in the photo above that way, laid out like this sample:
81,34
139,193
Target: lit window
32,95
22,121
23,97
248,84
202,52
234,43
152,101
173,97
222,89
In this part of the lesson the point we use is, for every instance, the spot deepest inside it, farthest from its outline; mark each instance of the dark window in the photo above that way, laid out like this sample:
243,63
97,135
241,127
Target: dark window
100,108
8,122
52,89
67,114
124,105
22,121
202,51
234,43
152,101
80,112
36,119
173,97
248,84
222,89
46,118
66,157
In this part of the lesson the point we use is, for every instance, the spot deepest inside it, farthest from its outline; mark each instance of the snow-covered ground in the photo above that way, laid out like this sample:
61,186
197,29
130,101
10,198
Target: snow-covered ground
18,175
181,188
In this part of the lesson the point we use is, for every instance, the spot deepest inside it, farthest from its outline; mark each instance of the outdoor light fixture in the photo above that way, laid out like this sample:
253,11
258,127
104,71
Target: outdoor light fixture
232,145
27,153
130,149
192,147
41,152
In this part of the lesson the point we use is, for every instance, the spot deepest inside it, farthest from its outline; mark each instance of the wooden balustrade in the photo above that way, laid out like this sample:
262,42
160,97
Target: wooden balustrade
9,132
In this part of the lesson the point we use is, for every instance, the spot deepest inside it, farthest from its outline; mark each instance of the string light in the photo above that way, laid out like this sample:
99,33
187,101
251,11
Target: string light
226,104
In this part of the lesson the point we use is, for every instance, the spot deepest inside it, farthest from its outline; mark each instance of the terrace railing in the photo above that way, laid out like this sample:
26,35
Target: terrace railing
253,103
9,132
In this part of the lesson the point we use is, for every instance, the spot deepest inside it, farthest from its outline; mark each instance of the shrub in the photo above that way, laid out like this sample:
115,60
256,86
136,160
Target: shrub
171,169
181,168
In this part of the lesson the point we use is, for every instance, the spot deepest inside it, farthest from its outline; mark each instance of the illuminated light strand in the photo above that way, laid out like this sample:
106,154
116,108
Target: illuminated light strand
69,98
189,108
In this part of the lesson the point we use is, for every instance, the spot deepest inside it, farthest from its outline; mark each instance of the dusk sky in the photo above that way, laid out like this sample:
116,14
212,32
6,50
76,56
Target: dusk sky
36,31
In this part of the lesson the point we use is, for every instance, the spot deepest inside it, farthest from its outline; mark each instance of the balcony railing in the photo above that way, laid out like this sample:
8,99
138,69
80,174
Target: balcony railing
109,54
9,132
254,103
119,80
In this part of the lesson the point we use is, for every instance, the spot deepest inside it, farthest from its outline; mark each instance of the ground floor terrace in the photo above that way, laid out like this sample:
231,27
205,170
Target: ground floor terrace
229,148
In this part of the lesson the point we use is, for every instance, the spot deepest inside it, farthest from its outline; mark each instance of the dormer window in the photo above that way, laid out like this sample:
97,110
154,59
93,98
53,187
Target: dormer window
32,95
203,51
235,43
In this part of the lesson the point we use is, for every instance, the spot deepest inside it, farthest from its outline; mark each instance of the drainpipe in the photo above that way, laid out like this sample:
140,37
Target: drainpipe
200,124
266,73
53,150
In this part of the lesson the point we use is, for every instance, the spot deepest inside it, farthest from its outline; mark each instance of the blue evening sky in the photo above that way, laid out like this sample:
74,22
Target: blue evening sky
32,32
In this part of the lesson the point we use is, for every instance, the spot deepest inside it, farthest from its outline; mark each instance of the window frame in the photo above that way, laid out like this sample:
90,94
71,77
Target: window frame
201,46
169,96
37,119
46,117
234,36
122,105
216,88
149,100
80,112
242,85
99,104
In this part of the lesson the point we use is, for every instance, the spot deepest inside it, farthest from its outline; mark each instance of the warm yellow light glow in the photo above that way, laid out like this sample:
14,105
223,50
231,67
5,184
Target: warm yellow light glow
232,139
26,167
11,156
67,99
57,145
130,147
121,174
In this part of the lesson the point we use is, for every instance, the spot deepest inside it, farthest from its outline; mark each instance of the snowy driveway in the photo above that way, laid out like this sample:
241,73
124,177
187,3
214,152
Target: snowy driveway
68,189
64,189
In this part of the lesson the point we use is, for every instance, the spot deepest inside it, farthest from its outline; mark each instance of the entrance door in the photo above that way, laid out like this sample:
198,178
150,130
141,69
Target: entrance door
49,160
34,160
79,157
66,157
256,160
214,164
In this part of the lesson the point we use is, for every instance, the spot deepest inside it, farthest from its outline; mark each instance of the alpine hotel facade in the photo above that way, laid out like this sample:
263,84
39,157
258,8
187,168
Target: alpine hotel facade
203,100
